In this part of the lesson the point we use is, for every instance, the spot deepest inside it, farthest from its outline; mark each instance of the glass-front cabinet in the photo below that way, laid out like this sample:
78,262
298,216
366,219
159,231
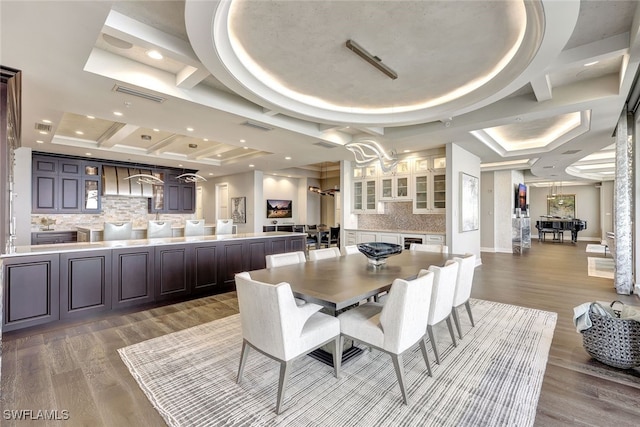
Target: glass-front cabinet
395,185
364,196
429,185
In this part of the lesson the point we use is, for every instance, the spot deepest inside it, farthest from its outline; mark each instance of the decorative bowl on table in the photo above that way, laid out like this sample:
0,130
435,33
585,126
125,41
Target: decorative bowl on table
378,252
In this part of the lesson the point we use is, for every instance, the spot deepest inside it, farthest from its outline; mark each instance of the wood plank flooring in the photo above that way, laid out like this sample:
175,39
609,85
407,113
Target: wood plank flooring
76,367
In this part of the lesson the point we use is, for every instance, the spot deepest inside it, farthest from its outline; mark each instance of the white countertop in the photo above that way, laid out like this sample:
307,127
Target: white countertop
398,231
101,228
93,246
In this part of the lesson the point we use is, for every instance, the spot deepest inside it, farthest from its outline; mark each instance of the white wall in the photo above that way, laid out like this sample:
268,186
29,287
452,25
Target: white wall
22,200
282,188
606,207
239,185
587,208
458,161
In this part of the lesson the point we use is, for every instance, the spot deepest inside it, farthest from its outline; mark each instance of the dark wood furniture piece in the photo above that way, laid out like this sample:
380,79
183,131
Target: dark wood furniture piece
53,237
44,284
557,227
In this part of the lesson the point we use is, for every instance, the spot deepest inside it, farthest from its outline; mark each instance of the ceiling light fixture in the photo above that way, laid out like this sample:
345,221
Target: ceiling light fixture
145,178
117,113
191,177
154,54
588,64
371,59
367,151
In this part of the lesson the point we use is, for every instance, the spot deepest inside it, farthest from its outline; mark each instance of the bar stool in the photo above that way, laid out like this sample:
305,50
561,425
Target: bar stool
117,231
194,227
157,229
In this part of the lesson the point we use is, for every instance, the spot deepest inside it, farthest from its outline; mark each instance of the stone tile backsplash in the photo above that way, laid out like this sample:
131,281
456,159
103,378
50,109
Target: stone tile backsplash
399,216
114,209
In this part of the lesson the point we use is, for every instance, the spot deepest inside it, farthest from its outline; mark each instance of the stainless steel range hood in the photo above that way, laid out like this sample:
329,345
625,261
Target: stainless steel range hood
115,182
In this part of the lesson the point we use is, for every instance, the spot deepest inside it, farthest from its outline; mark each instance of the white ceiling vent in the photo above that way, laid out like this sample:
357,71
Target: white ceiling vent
324,144
139,94
43,127
572,151
257,125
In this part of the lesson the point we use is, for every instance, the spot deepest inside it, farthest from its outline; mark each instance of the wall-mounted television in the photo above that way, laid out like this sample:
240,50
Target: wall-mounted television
521,197
279,208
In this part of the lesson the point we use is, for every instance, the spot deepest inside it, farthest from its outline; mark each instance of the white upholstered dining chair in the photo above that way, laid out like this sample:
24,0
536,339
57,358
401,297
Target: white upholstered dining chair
224,226
274,325
464,282
194,227
157,229
351,249
326,253
444,287
394,327
288,258
117,231
420,247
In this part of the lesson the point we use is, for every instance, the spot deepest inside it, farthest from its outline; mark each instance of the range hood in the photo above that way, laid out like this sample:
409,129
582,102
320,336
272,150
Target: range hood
115,182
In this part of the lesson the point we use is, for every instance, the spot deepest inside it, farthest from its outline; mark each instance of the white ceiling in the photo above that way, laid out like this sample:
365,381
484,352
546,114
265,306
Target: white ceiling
502,79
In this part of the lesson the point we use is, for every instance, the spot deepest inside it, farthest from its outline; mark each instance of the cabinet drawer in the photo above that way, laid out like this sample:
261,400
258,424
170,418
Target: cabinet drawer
434,238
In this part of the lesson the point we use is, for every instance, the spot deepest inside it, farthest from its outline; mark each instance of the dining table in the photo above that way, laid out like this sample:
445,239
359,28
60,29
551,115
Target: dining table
340,283
318,234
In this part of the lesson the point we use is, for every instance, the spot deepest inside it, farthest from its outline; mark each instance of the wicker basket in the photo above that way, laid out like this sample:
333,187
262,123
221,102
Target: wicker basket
612,341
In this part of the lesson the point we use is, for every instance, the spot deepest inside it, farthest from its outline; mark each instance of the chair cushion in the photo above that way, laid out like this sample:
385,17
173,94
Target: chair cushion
363,323
318,328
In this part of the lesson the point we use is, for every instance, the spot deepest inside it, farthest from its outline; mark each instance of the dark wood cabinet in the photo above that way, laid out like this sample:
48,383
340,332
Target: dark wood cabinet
31,291
53,237
174,196
172,271
85,283
56,185
132,276
205,268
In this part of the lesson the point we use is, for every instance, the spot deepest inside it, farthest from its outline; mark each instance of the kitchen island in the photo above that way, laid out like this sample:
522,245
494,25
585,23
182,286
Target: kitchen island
49,283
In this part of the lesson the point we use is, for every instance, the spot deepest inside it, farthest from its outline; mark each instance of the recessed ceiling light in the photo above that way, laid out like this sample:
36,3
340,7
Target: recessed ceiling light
154,54
189,129
46,121
210,173
79,132
219,155
407,151
288,176
246,148
242,140
287,158
179,165
44,133
117,113
205,139
156,130
91,117
251,166
87,154
588,64
39,141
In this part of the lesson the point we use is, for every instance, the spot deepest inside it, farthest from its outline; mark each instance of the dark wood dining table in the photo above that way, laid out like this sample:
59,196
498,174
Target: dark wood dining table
338,283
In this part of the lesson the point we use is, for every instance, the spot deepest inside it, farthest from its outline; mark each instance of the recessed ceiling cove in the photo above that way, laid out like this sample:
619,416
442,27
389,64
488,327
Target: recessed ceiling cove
450,57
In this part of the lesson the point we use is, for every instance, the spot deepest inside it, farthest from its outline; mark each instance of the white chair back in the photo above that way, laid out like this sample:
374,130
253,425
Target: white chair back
278,260
467,266
194,227
224,226
158,229
444,288
326,253
402,318
351,249
420,247
117,231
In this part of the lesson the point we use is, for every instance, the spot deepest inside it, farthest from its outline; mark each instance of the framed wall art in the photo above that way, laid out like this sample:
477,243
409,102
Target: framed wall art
469,202
239,213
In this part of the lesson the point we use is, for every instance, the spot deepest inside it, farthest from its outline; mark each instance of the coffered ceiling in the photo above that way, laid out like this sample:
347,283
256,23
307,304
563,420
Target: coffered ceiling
271,85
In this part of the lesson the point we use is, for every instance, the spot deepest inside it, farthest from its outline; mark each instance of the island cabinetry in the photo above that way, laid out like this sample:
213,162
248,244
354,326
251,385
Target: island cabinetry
294,244
205,268
231,261
172,271
85,283
132,276
31,291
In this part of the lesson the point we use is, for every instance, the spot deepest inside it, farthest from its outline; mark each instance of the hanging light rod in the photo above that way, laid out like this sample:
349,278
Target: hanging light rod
371,59
191,177
144,178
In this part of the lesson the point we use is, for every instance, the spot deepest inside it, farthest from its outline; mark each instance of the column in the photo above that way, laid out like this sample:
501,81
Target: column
622,196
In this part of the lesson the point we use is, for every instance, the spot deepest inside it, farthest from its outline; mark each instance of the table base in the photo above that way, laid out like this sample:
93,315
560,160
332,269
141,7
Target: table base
327,357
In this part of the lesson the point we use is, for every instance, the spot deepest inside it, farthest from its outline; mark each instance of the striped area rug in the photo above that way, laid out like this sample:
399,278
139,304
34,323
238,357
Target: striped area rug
492,378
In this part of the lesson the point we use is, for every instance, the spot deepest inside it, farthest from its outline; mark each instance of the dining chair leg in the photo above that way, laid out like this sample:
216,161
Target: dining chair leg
423,346
432,338
468,306
337,356
398,365
450,326
243,360
456,320
282,384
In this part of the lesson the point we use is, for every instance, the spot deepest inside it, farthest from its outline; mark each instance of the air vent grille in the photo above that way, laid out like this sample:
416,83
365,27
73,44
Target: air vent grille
139,94
256,125
572,151
324,144
43,127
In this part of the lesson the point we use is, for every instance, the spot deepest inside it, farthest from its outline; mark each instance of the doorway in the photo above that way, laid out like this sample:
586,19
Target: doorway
222,201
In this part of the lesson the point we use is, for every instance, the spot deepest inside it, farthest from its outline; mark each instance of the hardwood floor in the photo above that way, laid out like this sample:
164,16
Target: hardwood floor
77,368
